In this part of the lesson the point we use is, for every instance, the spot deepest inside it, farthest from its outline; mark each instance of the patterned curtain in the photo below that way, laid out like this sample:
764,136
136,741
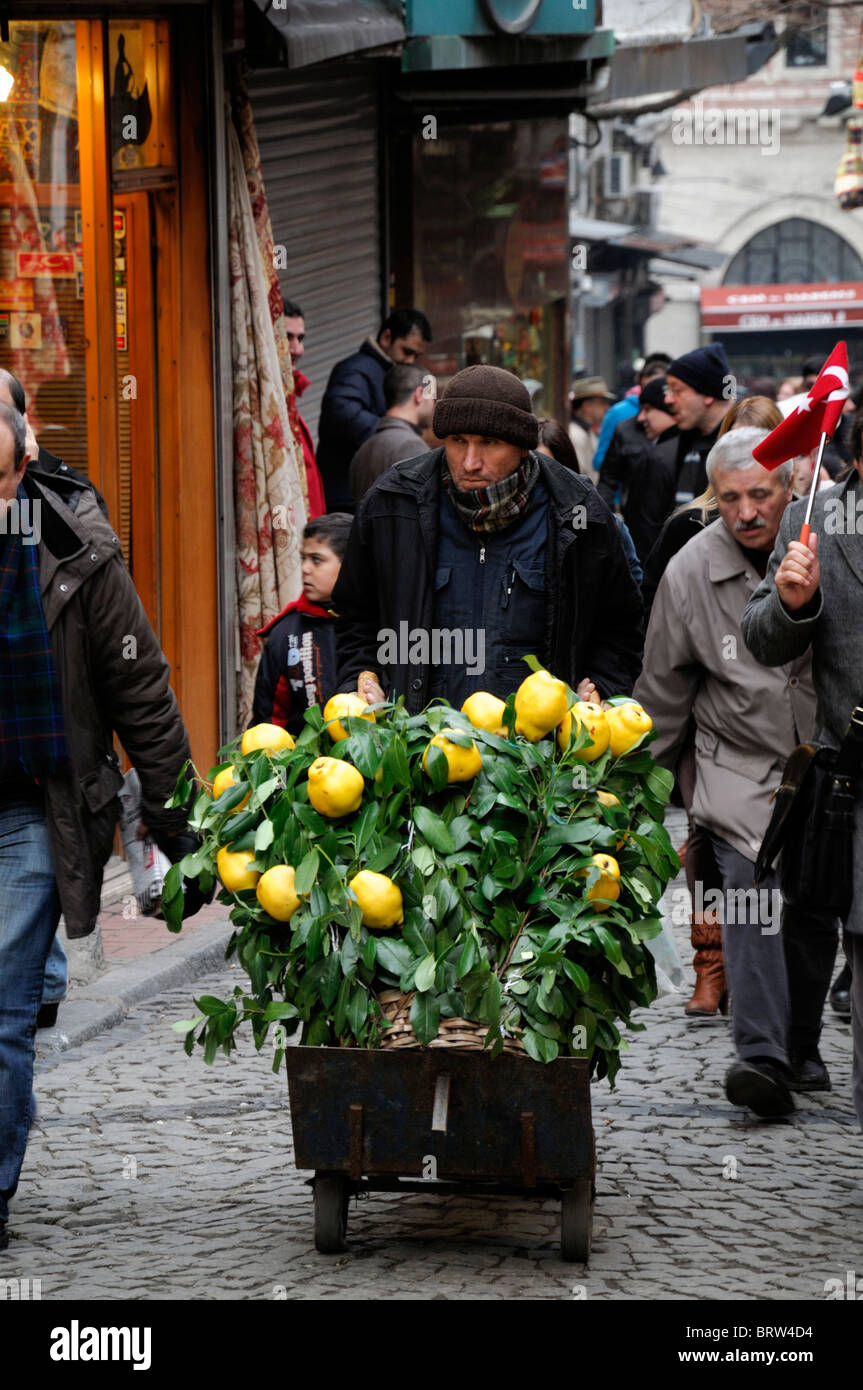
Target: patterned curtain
269,474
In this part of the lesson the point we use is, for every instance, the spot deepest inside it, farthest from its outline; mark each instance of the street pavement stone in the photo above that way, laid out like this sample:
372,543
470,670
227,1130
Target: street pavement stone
151,1176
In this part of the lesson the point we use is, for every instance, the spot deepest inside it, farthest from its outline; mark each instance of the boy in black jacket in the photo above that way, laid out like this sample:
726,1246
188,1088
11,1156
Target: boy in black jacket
298,665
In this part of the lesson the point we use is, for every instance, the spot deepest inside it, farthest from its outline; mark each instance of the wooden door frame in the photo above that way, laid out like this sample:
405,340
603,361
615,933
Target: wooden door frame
145,538
184,511
98,251
189,478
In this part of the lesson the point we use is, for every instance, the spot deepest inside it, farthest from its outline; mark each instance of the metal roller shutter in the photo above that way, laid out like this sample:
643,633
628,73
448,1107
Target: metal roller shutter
318,135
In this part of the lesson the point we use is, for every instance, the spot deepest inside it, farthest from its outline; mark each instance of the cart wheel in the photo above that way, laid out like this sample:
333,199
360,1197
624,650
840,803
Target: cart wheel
576,1222
331,1214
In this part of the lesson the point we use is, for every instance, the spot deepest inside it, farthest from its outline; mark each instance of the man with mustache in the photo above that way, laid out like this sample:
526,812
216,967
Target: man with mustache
748,718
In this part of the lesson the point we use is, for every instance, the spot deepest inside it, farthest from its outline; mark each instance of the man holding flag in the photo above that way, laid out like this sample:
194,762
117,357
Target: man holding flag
812,597
747,722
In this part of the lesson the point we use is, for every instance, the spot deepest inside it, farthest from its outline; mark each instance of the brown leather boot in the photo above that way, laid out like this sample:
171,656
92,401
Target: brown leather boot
710,991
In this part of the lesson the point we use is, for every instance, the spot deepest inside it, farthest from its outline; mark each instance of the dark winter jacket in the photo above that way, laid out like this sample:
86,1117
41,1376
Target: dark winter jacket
491,590
692,450
593,613
298,665
643,474
113,679
352,406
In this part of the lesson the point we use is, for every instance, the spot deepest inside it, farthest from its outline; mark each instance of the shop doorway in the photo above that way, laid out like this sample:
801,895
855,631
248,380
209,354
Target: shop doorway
105,300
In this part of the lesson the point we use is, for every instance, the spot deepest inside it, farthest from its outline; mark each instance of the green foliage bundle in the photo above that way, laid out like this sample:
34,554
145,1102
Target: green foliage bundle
494,875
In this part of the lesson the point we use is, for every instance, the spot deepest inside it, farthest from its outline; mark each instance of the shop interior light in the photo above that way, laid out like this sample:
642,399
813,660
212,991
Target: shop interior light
7,82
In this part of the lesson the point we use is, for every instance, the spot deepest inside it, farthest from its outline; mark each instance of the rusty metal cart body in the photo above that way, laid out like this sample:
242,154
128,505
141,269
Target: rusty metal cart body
434,1119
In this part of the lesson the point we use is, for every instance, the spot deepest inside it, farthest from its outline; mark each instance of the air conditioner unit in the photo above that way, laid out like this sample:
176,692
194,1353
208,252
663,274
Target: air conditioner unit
615,175
646,207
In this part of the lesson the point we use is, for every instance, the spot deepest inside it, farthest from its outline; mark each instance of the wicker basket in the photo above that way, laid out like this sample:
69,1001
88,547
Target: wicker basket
457,1034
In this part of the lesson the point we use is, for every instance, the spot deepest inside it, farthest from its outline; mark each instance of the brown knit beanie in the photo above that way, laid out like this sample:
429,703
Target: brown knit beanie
489,401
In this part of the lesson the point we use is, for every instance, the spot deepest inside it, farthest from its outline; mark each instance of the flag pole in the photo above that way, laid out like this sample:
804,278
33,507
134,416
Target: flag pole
813,488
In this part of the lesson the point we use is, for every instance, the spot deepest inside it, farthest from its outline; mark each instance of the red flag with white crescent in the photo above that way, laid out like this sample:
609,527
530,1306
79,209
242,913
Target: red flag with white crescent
818,413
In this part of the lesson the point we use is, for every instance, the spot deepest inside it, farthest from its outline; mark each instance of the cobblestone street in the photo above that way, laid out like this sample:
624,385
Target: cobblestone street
150,1176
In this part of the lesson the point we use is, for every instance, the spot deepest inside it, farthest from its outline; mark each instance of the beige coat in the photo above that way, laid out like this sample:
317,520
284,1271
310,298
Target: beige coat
584,442
747,717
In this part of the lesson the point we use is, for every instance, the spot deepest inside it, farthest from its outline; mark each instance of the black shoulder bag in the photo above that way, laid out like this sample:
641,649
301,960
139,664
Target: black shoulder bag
812,825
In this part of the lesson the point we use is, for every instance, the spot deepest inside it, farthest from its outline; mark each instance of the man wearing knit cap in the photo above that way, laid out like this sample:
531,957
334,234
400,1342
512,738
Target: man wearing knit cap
700,389
464,560
640,467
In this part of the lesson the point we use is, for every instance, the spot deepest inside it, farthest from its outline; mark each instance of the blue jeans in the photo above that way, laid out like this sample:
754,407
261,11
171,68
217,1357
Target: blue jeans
29,913
56,974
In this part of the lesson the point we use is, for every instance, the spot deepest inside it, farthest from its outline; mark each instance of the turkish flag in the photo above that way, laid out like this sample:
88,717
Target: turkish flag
818,413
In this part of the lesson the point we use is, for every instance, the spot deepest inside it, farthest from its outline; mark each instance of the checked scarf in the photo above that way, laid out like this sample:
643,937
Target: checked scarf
498,505
32,732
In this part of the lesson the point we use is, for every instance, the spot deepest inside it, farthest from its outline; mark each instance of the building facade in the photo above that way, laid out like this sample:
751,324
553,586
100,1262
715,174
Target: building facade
753,165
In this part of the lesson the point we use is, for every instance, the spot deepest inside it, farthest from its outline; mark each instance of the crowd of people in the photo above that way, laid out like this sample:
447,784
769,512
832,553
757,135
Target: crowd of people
479,534
637,548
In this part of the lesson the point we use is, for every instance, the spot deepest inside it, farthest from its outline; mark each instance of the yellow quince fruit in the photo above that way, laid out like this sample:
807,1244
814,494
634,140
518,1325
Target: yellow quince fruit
343,704
233,869
227,777
591,718
276,892
335,787
270,737
485,712
626,724
540,705
462,763
379,898
608,883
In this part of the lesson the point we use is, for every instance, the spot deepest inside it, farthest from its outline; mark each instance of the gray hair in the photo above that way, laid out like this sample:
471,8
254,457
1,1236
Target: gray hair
15,389
733,451
18,430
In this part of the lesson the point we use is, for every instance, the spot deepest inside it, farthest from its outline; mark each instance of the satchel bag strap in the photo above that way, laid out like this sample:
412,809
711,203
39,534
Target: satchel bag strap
850,755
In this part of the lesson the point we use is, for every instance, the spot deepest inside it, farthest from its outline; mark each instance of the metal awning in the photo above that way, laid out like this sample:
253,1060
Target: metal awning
315,31
692,253
625,237
594,229
495,77
648,74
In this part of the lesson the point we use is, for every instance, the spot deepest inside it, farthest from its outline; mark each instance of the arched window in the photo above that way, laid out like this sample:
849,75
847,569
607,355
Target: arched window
794,252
